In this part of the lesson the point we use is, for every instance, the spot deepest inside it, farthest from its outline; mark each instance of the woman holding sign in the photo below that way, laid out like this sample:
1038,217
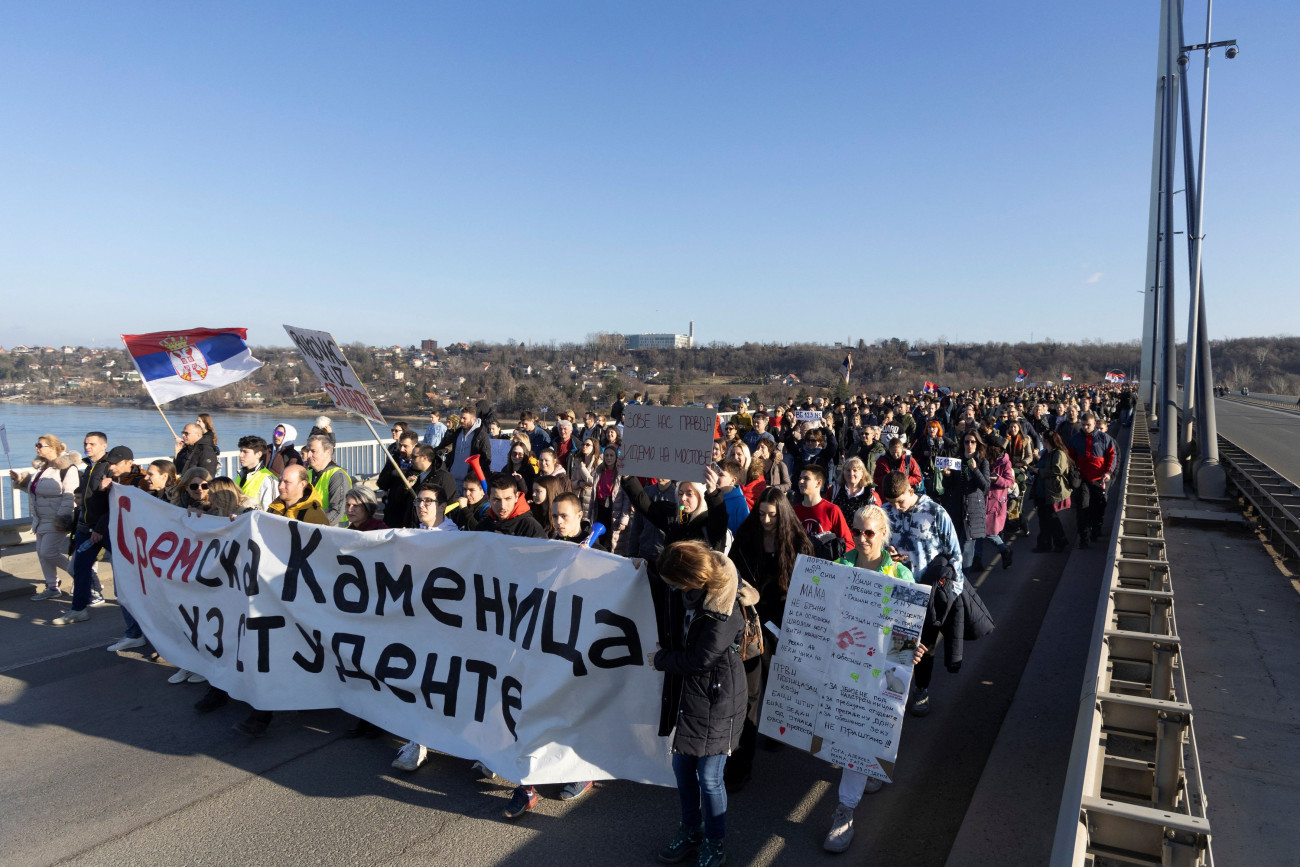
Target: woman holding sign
706,685
871,551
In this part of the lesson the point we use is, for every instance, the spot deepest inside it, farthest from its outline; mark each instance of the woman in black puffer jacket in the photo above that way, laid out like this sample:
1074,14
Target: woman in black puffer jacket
706,678
964,496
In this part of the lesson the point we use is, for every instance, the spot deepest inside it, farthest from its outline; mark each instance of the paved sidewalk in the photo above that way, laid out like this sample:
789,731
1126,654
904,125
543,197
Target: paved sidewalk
1238,615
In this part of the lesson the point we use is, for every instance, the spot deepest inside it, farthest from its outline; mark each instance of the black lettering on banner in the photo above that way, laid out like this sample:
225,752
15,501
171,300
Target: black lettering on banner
251,567
445,688
484,603
239,641
191,623
486,672
565,650
263,626
529,608
398,588
229,561
158,552
630,639
188,556
214,547
512,697
432,592
316,664
298,564
215,614
358,643
385,669
355,579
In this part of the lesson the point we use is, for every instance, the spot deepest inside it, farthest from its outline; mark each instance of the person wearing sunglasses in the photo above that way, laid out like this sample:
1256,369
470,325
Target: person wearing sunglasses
52,488
965,497
191,489
871,533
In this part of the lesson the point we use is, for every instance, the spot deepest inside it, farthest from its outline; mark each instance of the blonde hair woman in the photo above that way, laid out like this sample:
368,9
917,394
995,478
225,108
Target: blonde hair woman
52,487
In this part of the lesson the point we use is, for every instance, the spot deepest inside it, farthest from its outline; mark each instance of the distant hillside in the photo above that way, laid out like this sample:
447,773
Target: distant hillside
517,376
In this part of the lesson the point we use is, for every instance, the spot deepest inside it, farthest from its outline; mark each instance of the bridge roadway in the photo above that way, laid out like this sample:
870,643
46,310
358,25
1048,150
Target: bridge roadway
1272,435
103,762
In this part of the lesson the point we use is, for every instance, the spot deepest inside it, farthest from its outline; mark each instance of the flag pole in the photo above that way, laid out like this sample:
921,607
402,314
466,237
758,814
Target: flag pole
164,415
392,460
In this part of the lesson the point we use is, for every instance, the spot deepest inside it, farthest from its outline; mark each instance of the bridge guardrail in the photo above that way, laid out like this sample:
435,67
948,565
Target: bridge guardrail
1274,497
1133,789
360,458
1271,401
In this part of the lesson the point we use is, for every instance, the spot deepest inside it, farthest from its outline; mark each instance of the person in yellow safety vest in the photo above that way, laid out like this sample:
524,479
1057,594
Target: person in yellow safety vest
255,480
327,477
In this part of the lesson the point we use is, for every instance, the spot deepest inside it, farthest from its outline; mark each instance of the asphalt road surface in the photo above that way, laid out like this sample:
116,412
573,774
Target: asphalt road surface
103,762
1271,435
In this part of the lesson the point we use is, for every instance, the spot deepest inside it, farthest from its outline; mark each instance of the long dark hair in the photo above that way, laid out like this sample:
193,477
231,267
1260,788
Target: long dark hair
791,540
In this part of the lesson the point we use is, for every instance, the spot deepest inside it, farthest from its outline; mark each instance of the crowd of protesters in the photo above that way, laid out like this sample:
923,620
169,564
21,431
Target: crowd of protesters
917,486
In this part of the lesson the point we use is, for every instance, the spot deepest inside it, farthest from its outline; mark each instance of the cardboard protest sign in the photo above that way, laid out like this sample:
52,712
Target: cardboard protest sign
668,442
527,654
808,415
839,681
322,354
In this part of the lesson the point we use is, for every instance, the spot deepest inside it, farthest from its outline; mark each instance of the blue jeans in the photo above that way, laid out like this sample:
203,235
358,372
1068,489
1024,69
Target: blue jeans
84,579
997,543
699,785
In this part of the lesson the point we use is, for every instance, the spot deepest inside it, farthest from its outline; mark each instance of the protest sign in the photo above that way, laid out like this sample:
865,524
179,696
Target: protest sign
668,442
500,454
947,464
322,354
839,681
807,415
527,654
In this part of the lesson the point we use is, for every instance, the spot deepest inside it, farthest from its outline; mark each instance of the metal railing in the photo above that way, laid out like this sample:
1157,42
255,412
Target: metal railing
360,458
1272,401
1133,789
1275,499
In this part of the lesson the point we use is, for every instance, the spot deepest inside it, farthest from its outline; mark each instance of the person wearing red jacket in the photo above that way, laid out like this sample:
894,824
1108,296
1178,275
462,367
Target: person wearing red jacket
896,459
1093,452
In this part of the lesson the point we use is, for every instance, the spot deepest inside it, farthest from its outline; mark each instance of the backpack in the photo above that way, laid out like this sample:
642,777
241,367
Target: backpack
828,546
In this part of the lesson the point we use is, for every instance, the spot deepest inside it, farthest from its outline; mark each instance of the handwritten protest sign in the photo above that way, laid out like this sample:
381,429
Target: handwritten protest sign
322,353
808,415
668,442
527,654
840,678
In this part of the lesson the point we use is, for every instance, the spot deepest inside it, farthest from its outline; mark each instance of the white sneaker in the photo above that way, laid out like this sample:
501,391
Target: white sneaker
195,677
841,833
410,756
48,593
180,676
72,615
874,784
126,643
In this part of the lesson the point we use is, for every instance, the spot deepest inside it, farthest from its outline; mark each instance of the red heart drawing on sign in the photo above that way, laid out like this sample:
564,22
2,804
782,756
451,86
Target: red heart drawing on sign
782,729
850,764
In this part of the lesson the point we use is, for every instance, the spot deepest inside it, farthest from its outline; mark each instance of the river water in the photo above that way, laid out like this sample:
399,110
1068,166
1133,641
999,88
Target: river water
144,431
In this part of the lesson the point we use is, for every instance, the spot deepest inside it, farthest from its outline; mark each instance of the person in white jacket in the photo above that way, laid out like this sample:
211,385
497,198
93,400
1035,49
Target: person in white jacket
52,487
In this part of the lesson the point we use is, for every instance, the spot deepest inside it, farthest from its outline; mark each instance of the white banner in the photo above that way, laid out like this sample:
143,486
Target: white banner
843,666
322,353
808,415
527,654
668,442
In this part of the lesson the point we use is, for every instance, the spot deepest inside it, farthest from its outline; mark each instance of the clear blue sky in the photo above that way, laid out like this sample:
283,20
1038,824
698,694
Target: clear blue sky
541,170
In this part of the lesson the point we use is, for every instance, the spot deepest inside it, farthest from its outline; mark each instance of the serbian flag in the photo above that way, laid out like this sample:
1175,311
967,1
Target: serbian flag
1065,377
929,387
174,364
845,366
1020,375
1115,376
